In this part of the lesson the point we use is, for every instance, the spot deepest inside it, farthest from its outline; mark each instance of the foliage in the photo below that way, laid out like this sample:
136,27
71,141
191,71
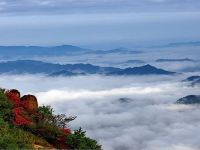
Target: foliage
5,107
13,98
46,110
21,129
19,118
15,138
50,126
78,140
62,120
59,121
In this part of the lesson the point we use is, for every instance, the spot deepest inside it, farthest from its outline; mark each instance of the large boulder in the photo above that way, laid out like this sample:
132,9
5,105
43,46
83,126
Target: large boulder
15,92
14,96
30,103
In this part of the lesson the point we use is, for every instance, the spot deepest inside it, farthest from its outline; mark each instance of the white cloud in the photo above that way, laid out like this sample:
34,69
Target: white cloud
148,121
49,6
158,1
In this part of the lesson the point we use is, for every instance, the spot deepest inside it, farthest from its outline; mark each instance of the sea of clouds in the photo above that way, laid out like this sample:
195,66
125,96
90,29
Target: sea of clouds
147,120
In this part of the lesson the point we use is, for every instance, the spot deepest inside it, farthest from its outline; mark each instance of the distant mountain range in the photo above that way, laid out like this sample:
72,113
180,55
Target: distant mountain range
8,52
30,51
177,44
192,43
39,67
120,50
190,99
134,62
176,60
39,50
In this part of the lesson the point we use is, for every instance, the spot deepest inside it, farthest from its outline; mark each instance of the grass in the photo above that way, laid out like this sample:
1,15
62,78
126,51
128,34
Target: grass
15,138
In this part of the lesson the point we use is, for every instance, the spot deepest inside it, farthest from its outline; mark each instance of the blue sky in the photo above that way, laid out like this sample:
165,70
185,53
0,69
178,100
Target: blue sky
98,23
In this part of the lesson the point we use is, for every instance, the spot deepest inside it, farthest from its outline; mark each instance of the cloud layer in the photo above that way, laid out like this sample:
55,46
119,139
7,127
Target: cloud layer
147,120
70,6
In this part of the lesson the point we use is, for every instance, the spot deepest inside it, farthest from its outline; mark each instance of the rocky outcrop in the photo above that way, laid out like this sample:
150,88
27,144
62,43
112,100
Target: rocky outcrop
25,114
23,108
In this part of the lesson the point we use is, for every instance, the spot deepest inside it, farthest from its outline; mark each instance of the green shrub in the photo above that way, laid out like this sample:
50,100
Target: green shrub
49,125
59,121
78,141
13,138
46,110
5,107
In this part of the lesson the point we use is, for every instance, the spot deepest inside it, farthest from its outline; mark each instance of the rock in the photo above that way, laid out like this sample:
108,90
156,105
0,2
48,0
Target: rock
15,92
30,103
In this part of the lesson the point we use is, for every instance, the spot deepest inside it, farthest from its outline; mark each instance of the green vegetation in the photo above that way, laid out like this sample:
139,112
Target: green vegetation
5,106
45,127
78,140
15,138
12,137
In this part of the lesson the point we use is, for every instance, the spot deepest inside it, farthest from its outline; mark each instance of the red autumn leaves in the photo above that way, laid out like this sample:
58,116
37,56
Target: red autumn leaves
66,131
19,117
14,97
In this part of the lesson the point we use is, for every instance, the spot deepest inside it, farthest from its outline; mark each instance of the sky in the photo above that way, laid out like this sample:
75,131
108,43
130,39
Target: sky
98,23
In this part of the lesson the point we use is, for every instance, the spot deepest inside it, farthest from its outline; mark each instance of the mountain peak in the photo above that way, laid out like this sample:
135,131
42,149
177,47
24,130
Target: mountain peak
148,66
143,70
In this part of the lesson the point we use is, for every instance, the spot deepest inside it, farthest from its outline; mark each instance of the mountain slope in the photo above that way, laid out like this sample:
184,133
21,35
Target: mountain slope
35,67
193,80
28,66
190,99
